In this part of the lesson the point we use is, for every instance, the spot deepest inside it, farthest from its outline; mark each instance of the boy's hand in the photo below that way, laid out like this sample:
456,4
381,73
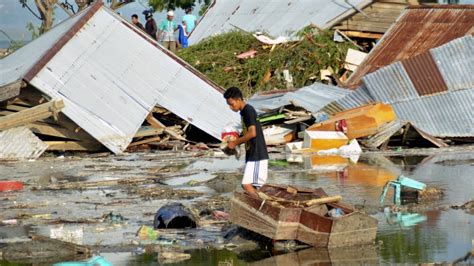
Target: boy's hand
231,145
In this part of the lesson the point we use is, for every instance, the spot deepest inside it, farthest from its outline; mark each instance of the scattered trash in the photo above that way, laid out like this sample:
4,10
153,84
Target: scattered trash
147,233
336,212
402,182
10,186
113,218
248,54
353,59
220,215
95,261
174,215
466,206
275,135
172,257
403,219
9,222
69,235
267,40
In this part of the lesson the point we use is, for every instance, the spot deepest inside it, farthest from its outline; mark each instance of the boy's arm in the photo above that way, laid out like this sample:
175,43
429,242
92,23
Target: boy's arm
250,134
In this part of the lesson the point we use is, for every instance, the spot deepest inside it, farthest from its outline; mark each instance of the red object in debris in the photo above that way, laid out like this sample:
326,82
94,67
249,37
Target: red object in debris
10,185
341,125
233,135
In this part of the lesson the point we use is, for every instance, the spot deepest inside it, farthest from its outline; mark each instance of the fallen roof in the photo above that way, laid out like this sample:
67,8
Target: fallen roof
110,75
433,90
312,98
418,29
275,17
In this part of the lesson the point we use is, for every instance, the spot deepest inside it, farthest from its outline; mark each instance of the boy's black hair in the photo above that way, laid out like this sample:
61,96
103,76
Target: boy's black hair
135,16
233,93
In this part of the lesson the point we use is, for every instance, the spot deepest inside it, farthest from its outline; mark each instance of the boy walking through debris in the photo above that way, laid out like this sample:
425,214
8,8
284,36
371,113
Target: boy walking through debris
256,155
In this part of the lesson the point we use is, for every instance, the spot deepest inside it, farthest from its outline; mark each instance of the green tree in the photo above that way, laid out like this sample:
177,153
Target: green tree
45,12
161,5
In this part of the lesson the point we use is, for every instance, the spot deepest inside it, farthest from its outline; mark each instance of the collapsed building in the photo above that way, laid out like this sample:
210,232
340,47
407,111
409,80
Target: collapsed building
90,82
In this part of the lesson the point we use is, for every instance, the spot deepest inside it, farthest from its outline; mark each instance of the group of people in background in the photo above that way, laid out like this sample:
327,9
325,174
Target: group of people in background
165,32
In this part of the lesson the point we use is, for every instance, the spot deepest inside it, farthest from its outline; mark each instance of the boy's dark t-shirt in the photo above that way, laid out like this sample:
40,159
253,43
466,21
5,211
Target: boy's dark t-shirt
255,149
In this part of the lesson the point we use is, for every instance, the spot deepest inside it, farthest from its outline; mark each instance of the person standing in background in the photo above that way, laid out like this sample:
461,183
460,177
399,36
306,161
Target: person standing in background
190,19
182,35
136,22
150,25
166,32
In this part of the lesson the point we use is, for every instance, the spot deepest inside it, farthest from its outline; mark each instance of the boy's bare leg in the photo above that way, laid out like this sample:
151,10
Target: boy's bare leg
250,189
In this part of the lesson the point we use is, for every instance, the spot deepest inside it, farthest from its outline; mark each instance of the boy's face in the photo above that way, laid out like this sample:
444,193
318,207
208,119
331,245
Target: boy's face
234,104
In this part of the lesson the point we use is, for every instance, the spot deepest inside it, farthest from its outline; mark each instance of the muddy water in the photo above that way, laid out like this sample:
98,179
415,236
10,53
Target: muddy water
434,233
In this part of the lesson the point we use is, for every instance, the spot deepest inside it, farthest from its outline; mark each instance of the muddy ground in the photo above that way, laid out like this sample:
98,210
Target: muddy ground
101,200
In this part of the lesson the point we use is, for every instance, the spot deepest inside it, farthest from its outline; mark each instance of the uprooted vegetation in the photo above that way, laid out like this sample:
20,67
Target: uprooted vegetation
304,59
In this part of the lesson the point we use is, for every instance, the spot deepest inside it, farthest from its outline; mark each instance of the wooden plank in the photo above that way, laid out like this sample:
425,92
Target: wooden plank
72,146
53,130
359,34
157,124
11,90
31,115
148,131
79,249
145,141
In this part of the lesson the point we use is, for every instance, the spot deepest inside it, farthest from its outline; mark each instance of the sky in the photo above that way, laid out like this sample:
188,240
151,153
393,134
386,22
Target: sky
14,18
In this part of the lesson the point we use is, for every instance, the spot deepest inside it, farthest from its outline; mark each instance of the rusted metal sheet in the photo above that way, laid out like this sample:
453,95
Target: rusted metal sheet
424,74
417,30
20,143
445,112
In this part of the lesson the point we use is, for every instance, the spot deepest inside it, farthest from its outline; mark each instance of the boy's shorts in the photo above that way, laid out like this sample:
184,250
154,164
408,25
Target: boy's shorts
255,173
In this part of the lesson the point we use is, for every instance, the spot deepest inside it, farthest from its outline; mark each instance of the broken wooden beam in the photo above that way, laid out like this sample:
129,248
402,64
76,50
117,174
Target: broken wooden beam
78,249
148,131
30,115
145,141
11,90
157,124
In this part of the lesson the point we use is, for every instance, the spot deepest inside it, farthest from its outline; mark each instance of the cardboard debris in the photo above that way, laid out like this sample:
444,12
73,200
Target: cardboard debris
353,59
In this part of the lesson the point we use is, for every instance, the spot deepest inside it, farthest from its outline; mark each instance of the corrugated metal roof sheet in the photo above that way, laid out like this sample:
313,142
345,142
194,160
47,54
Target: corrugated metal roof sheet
276,17
20,144
417,30
444,114
354,99
111,75
312,98
453,59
